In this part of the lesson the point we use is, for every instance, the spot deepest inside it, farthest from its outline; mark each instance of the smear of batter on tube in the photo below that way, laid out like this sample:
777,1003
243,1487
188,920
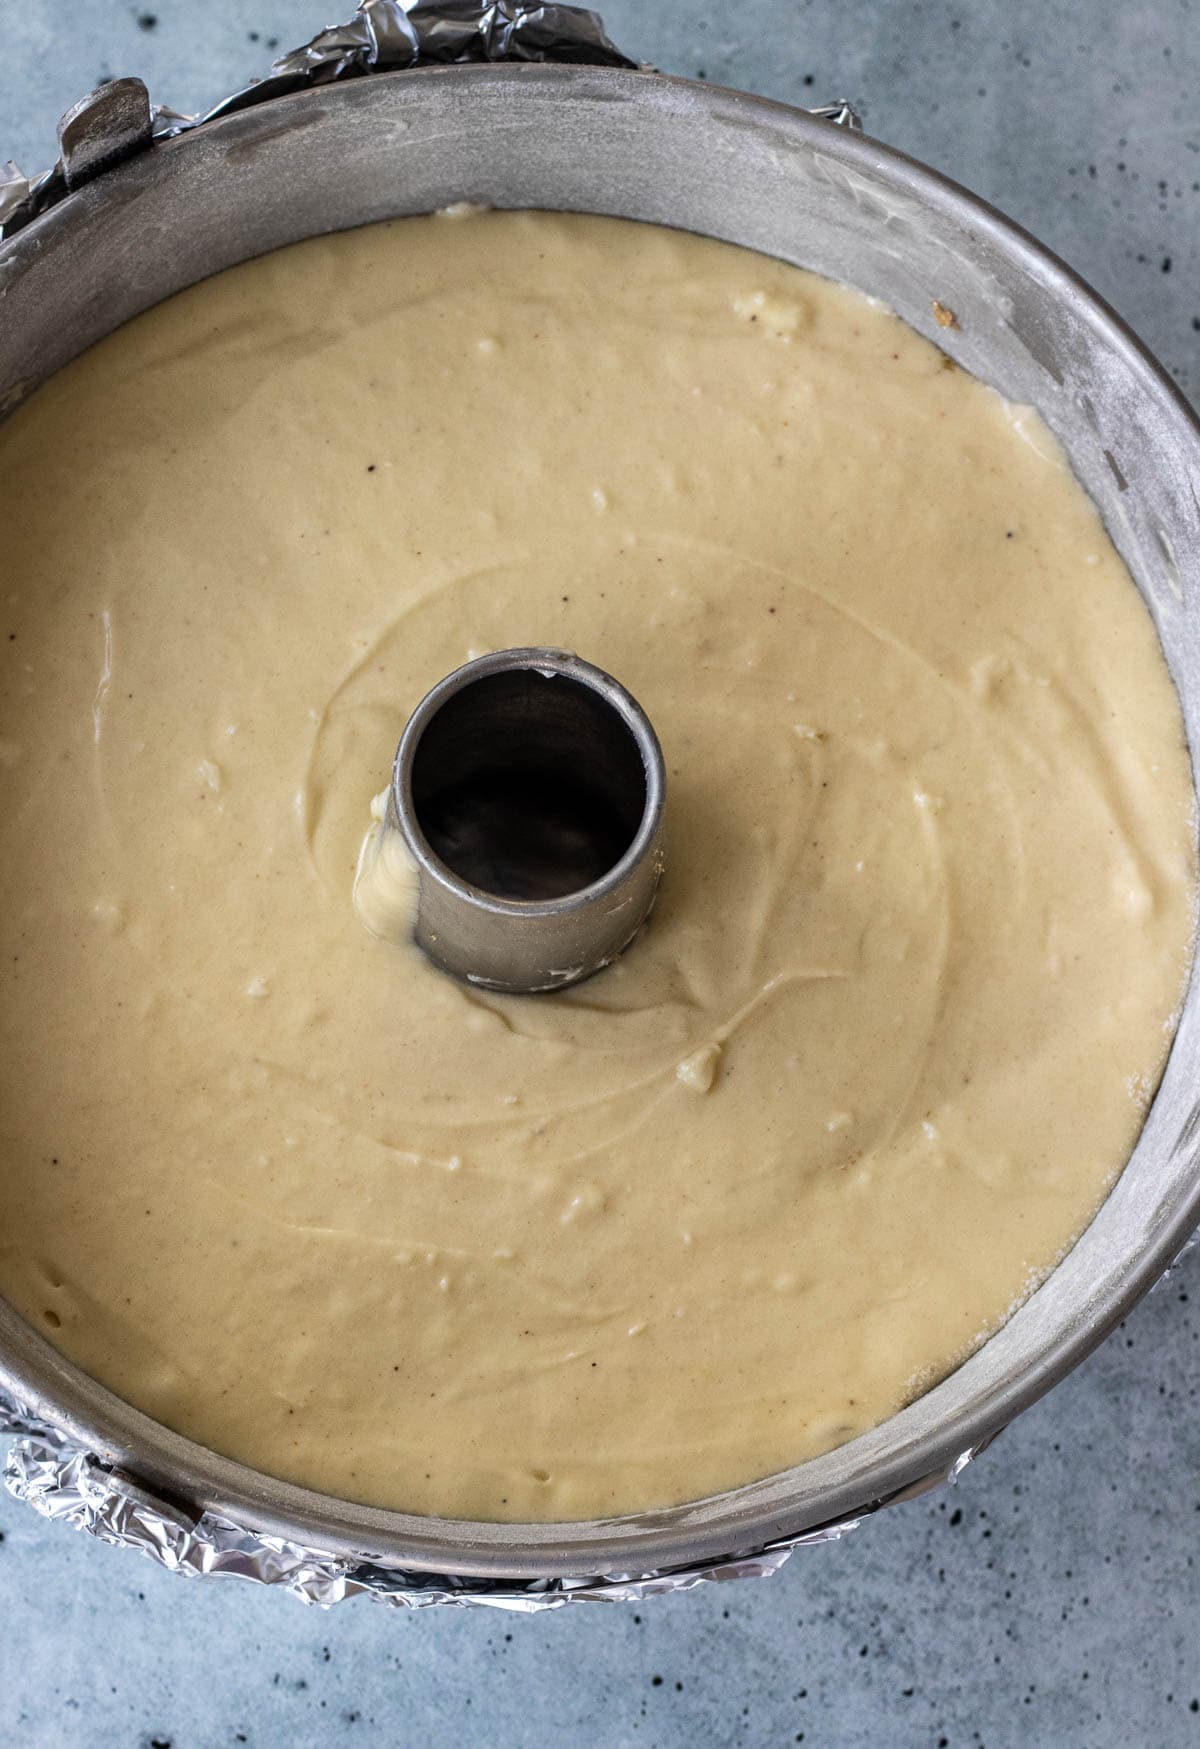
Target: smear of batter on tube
909,984
385,879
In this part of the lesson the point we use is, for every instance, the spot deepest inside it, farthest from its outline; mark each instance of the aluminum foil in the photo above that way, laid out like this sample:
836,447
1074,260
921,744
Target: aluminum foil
383,36
75,1488
43,1467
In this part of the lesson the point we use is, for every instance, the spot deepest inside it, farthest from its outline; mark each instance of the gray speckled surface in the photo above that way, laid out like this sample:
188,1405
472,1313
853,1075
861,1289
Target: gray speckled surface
1053,1597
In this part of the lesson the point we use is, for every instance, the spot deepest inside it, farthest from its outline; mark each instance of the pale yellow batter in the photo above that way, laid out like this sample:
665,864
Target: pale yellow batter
890,1031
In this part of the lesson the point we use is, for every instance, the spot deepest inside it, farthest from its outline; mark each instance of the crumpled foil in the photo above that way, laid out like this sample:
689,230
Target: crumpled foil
383,36
43,1467
74,1487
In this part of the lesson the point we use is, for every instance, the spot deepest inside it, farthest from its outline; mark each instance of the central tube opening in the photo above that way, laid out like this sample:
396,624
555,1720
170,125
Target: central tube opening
528,784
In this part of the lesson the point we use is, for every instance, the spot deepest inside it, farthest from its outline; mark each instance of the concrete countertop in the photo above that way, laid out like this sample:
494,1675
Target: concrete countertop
1053,1596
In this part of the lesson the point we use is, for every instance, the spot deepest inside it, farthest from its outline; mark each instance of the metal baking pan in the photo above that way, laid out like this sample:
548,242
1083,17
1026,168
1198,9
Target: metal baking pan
617,140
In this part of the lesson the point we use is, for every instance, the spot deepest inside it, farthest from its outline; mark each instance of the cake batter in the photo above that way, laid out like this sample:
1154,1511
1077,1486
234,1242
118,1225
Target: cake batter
910,982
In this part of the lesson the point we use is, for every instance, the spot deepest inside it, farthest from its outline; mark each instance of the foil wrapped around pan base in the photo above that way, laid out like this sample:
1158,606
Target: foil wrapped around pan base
73,1487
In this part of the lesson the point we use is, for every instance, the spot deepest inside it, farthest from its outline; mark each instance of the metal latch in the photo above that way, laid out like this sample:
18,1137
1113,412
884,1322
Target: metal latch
110,124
